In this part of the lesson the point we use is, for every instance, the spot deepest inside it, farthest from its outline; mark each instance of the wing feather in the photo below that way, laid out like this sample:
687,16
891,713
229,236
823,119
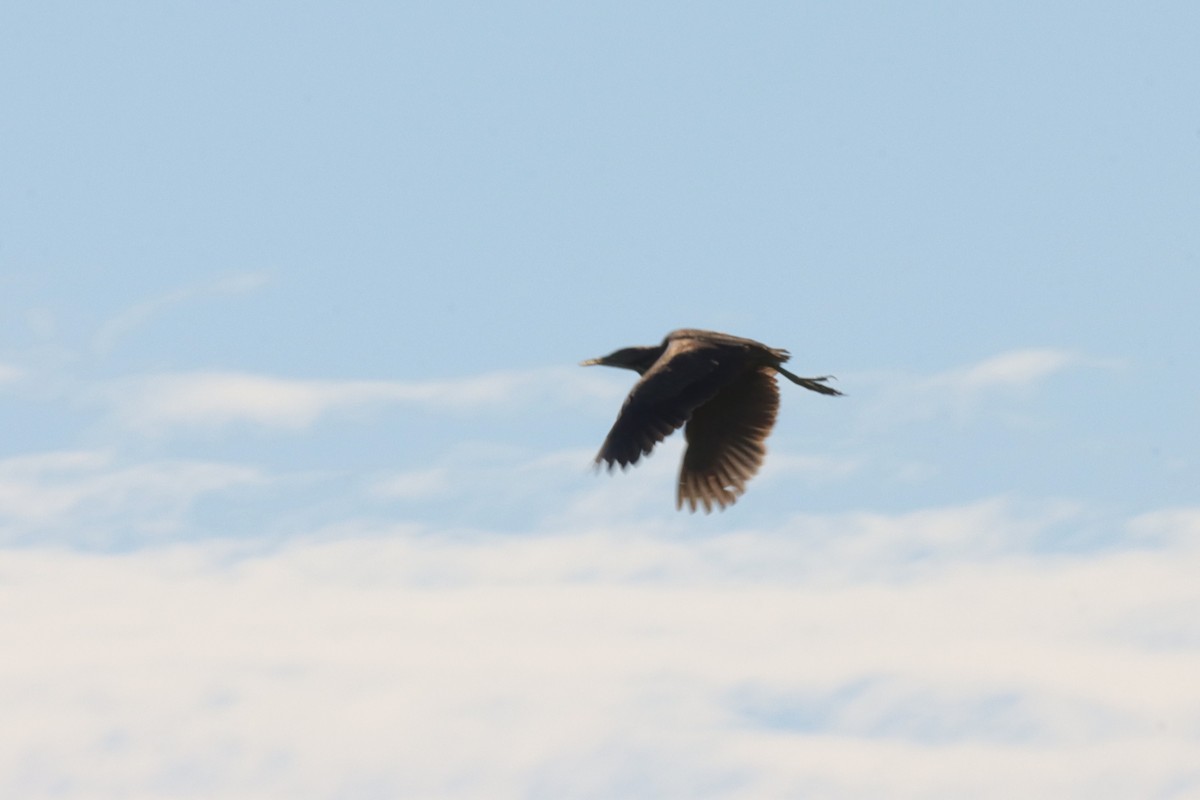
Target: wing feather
688,373
726,441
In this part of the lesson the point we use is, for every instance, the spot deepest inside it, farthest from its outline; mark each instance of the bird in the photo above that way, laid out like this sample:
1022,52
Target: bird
721,389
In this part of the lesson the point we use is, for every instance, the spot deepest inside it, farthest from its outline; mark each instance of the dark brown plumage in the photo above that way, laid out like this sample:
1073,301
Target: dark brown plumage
723,388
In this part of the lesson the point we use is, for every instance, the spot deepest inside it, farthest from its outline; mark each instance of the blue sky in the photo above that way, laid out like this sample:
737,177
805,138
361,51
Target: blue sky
295,495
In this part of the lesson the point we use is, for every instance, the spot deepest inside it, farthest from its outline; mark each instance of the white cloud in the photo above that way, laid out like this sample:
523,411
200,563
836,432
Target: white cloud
960,392
1015,369
9,374
606,664
157,403
65,494
1179,526
137,315
812,466
412,484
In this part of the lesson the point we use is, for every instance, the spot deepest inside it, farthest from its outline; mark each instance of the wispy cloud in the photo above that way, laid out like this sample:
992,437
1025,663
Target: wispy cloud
158,403
1017,369
138,315
813,466
412,484
88,497
1168,526
413,664
961,392
10,374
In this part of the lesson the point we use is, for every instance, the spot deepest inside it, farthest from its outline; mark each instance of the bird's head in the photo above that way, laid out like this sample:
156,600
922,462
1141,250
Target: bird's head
638,359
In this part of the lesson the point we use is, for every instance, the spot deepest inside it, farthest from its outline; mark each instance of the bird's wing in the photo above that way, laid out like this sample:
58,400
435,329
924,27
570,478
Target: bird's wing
687,374
726,439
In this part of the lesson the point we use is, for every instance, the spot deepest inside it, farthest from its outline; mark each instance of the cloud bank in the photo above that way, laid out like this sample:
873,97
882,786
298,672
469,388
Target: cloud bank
396,663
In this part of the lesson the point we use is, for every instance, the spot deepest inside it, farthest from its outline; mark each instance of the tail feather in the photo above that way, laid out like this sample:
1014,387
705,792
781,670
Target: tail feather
813,384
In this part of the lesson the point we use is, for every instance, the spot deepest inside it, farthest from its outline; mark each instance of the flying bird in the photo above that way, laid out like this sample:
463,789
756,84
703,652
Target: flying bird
723,388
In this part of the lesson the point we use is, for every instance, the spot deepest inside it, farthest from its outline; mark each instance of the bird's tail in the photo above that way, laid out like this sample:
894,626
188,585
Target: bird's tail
813,384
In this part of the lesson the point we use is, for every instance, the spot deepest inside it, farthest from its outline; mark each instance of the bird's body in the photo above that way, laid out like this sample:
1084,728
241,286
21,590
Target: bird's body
722,388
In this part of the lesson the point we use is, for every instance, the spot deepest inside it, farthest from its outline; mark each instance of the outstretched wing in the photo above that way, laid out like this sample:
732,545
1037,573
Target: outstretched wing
687,374
726,439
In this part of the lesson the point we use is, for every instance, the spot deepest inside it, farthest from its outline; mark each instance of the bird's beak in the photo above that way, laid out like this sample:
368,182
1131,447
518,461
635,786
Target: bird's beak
591,362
